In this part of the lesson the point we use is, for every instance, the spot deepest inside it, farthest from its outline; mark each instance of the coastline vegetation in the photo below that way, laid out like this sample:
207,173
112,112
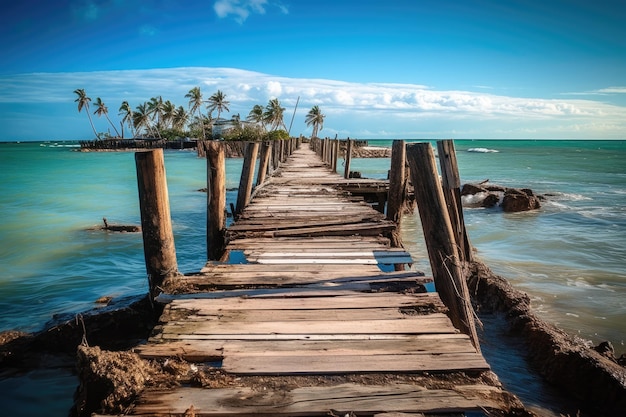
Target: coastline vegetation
162,120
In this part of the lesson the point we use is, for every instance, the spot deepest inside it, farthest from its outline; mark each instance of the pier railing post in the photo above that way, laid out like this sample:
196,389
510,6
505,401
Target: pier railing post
247,177
335,155
397,183
266,149
348,158
156,223
440,241
451,183
397,189
216,199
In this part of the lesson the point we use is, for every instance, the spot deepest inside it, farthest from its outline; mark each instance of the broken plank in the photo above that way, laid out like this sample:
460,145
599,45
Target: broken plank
327,364
311,401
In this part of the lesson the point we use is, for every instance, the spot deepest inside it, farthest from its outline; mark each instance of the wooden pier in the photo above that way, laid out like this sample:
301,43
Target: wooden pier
309,314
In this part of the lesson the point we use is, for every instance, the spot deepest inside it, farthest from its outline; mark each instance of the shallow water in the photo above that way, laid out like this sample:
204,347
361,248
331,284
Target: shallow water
569,256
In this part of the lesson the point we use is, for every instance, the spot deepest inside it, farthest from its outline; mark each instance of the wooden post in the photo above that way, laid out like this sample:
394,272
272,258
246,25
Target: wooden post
247,177
348,159
439,236
451,183
335,155
216,199
397,184
201,149
275,157
326,150
266,149
156,223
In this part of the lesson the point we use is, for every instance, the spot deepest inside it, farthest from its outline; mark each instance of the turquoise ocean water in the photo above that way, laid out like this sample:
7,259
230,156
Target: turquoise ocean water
570,256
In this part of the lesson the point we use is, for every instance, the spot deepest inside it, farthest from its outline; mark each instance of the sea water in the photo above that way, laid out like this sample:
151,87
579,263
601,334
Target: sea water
569,256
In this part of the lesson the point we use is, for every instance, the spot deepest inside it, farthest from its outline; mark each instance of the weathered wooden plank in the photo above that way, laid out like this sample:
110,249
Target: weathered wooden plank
356,270
215,350
326,364
244,278
338,242
312,401
338,314
294,302
340,261
306,253
432,323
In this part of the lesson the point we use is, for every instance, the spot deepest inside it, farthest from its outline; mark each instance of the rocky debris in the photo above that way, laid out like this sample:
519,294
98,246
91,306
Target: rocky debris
118,325
516,200
595,378
511,200
110,381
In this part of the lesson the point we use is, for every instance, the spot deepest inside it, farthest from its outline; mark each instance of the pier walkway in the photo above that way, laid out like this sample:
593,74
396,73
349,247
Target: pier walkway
308,317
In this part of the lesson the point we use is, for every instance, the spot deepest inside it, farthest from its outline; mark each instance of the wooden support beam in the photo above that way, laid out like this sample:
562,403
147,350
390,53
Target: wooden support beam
335,155
397,183
216,199
439,236
451,183
266,149
348,158
247,175
156,222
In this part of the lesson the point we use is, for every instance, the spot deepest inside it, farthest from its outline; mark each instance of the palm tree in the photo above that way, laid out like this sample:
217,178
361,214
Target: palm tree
316,118
155,110
126,111
142,118
168,109
274,115
195,103
180,118
218,102
83,101
256,116
103,109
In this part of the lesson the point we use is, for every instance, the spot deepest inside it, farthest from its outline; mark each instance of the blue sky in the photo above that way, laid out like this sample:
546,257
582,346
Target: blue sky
377,69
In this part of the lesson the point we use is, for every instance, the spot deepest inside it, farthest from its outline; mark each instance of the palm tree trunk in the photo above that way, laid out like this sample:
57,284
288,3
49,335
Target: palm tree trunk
91,123
111,123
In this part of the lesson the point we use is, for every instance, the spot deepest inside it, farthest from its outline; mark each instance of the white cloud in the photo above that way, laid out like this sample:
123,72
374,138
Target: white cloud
383,109
274,89
240,10
613,90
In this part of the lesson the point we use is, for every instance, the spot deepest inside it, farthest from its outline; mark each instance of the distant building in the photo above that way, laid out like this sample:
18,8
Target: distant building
221,126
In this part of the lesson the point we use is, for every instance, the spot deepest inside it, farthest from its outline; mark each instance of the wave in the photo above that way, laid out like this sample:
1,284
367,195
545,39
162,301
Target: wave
483,150
58,145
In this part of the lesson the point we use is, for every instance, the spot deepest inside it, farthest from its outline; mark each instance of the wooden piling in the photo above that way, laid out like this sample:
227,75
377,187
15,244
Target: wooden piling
216,199
440,240
156,222
451,183
247,177
266,151
397,183
335,155
348,158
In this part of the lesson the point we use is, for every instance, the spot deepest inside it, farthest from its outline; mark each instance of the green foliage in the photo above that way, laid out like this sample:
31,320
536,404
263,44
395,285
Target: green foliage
172,134
277,135
245,133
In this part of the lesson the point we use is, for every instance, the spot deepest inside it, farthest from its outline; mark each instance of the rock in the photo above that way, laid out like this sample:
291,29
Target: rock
471,189
491,200
516,200
494,188
606,349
